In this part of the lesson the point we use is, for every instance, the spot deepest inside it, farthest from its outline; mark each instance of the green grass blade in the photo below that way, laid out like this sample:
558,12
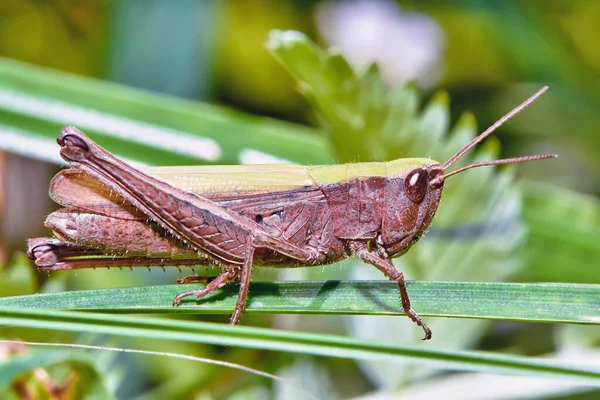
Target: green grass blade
35,103
554,303
287,341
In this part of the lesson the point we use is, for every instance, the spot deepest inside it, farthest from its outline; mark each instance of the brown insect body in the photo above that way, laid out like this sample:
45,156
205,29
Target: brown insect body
323,217
375,215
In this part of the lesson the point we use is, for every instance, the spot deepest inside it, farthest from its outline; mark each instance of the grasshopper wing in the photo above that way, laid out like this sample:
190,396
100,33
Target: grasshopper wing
72,188
230,181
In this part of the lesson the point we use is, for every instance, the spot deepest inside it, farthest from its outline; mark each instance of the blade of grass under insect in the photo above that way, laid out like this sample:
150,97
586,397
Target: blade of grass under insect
553,303
36,102
288,341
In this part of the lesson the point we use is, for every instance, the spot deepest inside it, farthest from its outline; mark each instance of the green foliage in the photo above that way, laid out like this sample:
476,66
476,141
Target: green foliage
145,127
477,234
367,121
88,383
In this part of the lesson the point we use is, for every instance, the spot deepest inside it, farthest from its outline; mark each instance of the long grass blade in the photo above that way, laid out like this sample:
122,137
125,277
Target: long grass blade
287,341
553,303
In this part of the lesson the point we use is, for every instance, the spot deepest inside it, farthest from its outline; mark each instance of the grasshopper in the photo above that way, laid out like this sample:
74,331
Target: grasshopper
237,217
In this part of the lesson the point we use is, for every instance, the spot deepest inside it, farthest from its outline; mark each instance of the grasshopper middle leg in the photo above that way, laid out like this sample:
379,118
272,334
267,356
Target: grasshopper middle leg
233,272
215,283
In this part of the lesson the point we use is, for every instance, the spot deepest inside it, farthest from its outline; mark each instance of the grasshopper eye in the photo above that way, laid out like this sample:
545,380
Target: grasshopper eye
415,185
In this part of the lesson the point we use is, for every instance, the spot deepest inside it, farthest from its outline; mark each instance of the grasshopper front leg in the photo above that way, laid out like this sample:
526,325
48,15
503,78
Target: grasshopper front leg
385,265
229,238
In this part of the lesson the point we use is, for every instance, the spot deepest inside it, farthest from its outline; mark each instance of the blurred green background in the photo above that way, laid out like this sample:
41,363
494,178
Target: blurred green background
208,78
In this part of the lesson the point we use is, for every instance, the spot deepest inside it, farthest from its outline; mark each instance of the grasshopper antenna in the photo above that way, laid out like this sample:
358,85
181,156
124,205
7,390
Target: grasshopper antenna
438,180
492,128
496,162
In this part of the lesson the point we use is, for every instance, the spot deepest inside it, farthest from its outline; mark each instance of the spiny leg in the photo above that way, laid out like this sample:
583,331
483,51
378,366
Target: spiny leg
385,265
51,254
217,283
244,286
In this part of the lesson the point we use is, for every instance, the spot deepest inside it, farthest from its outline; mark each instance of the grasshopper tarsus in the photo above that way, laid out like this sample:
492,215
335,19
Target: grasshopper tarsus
428,333
177,300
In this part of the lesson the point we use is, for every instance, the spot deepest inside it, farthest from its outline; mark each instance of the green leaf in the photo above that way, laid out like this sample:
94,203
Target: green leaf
349,106
294,342
477,232
569,224
556,303
477,228
35,103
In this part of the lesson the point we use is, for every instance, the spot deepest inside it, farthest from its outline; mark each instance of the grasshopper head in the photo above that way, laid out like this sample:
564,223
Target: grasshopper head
421,190
410,204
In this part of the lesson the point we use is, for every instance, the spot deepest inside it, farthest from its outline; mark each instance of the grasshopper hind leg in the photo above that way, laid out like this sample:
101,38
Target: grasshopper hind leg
244,286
